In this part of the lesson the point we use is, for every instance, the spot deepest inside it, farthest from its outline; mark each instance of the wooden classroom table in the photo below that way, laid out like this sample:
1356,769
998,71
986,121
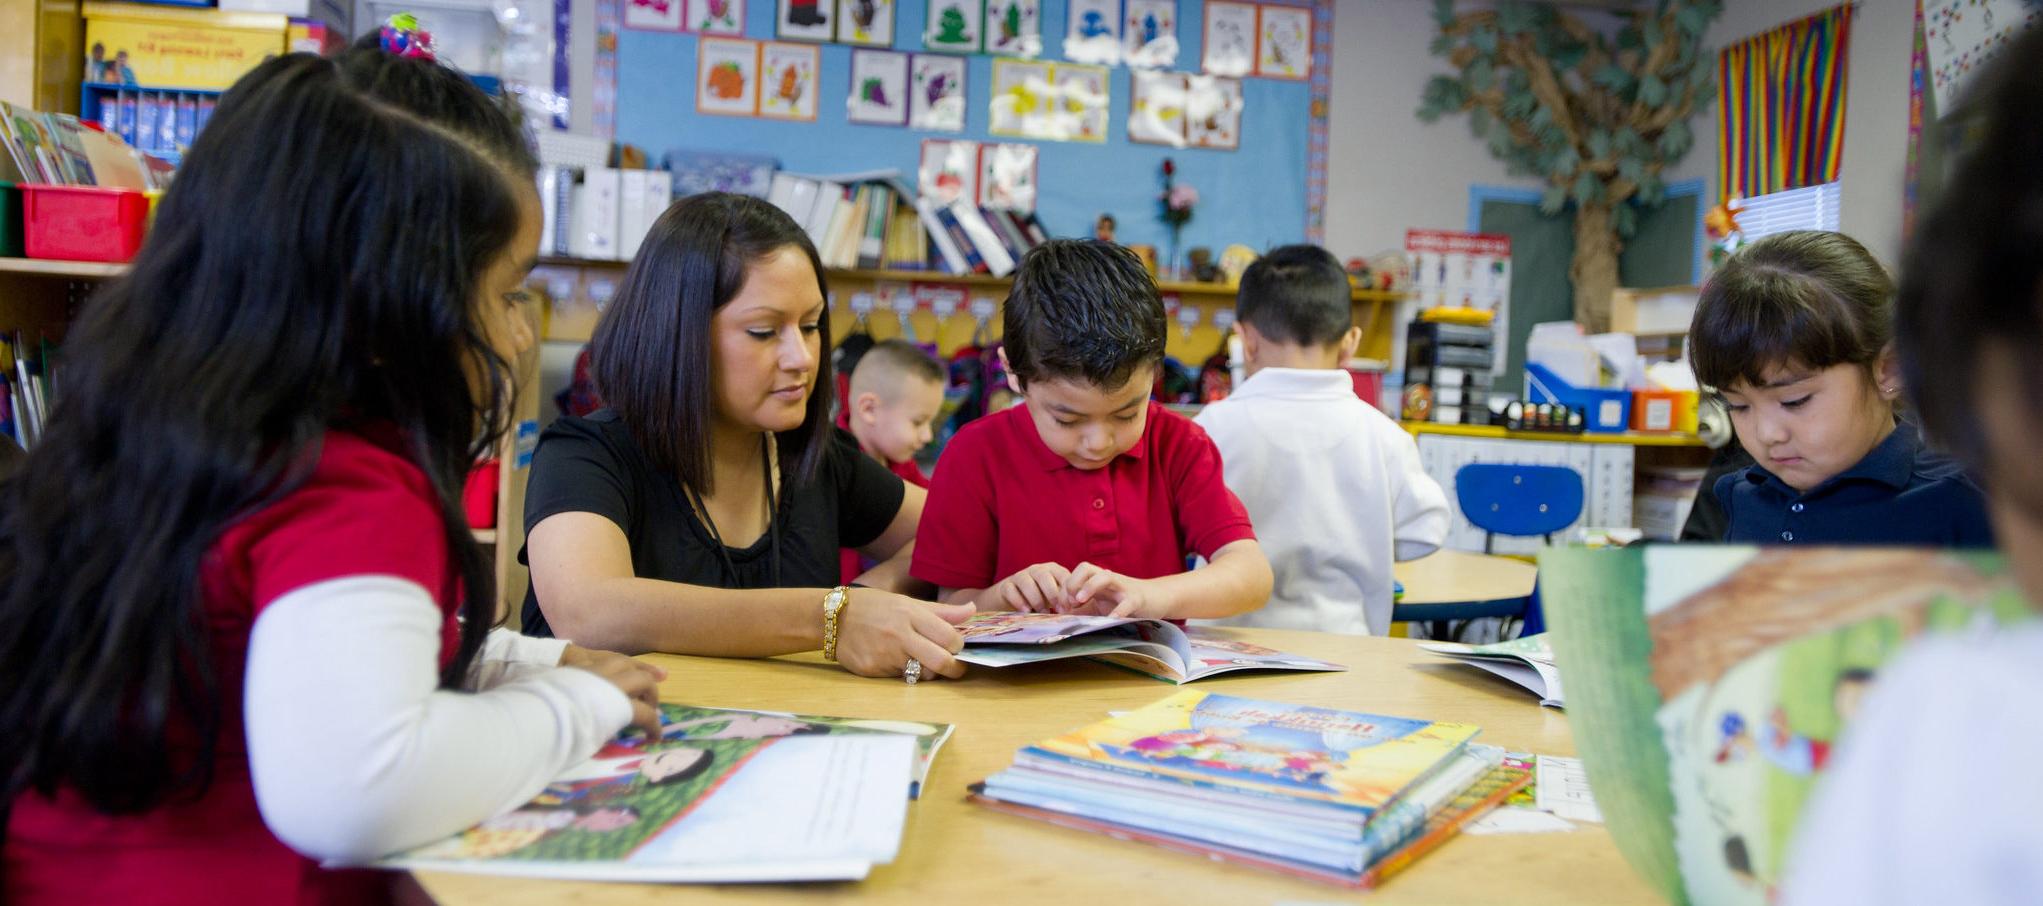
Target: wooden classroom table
953,852
1457,577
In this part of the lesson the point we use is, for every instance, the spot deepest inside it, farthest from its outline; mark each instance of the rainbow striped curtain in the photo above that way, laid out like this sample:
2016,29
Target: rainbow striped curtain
1781,106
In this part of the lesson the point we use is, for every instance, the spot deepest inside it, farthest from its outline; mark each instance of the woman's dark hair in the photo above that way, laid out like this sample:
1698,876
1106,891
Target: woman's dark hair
1807,297
1974,272
316,266
1297,294
651,350
1084,310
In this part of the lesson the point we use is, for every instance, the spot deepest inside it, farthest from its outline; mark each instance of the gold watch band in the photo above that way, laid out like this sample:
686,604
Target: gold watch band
833,606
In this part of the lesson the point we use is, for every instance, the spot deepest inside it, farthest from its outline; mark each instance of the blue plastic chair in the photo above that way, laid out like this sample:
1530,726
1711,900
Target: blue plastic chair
1505,500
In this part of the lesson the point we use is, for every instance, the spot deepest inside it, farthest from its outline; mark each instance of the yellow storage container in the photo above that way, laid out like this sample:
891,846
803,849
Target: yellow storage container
169,47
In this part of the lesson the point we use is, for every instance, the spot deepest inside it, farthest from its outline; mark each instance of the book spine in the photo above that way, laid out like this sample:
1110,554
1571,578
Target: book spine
187,120
128,114
958,237
205,115
947,251
145,122
872,238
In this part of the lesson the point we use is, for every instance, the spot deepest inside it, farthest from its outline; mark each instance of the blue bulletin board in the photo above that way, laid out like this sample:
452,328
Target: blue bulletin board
1256,195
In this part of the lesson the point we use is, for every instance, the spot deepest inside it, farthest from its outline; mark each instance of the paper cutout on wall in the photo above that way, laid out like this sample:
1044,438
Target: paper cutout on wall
1092,31
1020,97
787,85
949,171
1061,102
1007,177
866,22
1961,35
653,15
936,98
954,25
717,17
879,88
1229,46
1083,101
805,20
1149,34
1014,27
1156,108
727,73
1213,112
1283,42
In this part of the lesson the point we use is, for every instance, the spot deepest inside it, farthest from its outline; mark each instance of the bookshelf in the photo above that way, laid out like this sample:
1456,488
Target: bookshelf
42,297
571,320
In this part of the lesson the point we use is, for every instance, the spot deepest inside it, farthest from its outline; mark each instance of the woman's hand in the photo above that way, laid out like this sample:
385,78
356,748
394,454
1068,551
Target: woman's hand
638,680
879,631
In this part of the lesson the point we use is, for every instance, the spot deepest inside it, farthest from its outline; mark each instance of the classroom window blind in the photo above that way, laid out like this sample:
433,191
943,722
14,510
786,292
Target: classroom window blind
1808,208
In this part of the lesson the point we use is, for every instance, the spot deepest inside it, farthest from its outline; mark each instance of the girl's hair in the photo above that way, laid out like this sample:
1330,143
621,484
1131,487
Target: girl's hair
1975,269
316,266
1808,298
651,350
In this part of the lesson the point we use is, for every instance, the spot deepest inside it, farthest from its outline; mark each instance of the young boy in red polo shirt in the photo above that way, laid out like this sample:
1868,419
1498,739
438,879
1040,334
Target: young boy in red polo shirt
1089,497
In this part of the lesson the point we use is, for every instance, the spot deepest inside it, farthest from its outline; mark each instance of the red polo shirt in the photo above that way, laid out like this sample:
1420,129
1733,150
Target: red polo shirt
1001,501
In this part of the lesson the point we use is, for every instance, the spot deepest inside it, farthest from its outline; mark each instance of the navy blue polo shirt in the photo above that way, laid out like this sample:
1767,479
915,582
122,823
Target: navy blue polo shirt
1900,493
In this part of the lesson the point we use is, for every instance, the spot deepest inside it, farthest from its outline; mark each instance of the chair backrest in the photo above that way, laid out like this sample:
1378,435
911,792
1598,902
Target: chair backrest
1519,500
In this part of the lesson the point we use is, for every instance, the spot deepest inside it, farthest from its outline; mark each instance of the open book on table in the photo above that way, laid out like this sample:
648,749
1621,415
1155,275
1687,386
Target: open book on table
1158,648
721,796
1527,661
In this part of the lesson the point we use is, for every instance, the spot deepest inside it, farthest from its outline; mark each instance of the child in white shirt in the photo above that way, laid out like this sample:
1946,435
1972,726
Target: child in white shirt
1334,487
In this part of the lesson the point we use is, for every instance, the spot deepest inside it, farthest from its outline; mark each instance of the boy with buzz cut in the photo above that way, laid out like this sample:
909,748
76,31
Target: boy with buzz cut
1334,486
896,392
1088,497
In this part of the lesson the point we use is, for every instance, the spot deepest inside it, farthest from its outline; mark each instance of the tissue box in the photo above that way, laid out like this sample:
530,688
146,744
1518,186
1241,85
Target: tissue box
1604,411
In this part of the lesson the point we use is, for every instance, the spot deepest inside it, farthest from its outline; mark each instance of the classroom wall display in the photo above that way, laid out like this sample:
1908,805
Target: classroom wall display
936,93
1228,47
1283,42
1020,98
1083,100
1092,31
1149,34
1014,27
804,20
787,80
954,25
654,15
1059,102
879,88
1961,35
717,17
1156,108
727,76
1213,112
1007,177
949,170
866,22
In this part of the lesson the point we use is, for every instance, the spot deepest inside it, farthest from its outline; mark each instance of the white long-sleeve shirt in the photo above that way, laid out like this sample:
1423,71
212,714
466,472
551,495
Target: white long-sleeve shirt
1336,492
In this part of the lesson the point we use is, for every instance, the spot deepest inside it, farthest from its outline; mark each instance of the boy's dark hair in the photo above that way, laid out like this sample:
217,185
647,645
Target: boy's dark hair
1082,309
651,350
1297,294
1807,298
1974,271
899,358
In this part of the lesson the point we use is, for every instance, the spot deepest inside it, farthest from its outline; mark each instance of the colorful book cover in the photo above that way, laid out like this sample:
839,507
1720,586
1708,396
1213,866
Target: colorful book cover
1708,684
1354,760
1157,648
1494,788
720,796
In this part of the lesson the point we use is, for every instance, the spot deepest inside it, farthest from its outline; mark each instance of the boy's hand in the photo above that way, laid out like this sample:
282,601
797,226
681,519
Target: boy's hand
1037,589
638,680
1095,590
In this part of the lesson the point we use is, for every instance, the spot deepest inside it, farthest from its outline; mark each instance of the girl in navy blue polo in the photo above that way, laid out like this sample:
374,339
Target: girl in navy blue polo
1795,334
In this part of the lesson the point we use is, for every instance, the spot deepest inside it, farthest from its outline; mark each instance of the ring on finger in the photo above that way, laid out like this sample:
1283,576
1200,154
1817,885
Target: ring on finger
912,674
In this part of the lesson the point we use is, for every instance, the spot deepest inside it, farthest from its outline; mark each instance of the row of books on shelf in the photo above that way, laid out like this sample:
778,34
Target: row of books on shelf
58,149
873,220
25,389
159,122
600,213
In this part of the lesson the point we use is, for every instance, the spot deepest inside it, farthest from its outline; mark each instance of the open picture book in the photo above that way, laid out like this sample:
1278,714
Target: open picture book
1709,684
1158,648
721,796
1527,661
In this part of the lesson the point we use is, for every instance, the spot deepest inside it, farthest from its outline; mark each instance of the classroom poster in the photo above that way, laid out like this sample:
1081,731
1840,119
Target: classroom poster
879,88
1962,35
936,98
1014,27
1461,270
1283,42
1156,108
787,86
866,22
1229,48
954,25
653,15
1149,34
949,171
1083,102
1020,103
804,20
1213,112
717,17
1092,32
1007,177
727,73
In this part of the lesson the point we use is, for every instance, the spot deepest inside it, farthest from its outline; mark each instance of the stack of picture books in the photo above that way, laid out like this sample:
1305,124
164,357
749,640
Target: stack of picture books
722,796
1329,795
1154,647
57,149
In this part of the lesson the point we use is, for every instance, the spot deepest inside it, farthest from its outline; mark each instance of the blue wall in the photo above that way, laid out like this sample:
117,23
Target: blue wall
1254,195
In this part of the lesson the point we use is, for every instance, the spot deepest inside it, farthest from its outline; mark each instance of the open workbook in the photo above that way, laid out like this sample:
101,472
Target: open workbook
1527,661
1155,647
720,797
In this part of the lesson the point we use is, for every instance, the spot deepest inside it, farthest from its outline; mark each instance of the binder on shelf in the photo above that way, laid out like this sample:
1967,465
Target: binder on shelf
998,262
947,251
595,217
631,212
872,241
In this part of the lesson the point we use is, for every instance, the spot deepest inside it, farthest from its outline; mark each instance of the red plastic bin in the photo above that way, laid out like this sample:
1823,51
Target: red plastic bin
83,223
